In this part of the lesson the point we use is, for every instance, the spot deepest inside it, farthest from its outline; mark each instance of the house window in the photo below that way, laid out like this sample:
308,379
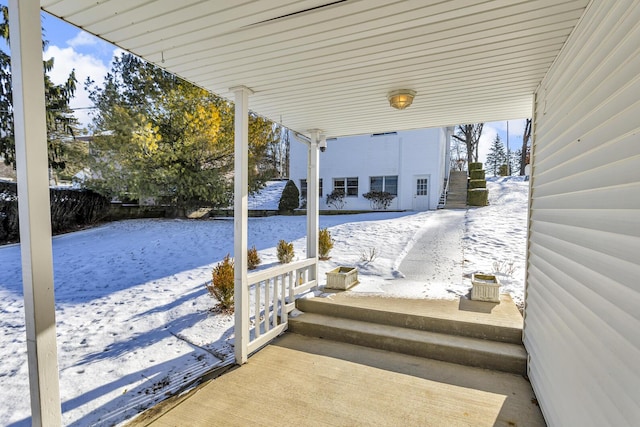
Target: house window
303,188
384,183
348,185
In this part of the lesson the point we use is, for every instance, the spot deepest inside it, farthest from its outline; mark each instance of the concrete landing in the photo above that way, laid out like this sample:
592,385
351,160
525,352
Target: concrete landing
302,381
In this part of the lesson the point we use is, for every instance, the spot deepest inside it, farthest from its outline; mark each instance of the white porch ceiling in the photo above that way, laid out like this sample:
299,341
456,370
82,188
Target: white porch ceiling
329,64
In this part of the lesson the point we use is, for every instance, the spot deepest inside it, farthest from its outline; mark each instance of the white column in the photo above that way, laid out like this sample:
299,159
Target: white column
34,211
313,177
240,214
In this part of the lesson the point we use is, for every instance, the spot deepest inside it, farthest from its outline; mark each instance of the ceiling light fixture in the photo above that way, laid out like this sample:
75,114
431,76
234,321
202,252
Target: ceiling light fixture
401,98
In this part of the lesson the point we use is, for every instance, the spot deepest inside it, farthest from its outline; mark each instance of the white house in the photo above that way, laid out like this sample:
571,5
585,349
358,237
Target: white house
411,165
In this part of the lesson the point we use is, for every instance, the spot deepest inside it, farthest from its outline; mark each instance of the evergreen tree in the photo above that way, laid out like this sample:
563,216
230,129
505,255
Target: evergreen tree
161,137
496,157
60,119
290,198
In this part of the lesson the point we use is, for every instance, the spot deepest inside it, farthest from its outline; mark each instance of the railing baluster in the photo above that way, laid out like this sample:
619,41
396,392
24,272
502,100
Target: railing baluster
257,312
292,295
283,299
274,307
267,312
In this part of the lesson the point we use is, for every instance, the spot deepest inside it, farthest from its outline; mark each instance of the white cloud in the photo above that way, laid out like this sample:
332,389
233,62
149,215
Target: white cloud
82,39
67,59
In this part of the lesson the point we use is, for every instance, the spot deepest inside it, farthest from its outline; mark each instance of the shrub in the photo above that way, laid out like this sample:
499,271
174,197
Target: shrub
290,198
379,199
325,243
285,252
253,259
475,166
369,255
70,209
222,286
336,199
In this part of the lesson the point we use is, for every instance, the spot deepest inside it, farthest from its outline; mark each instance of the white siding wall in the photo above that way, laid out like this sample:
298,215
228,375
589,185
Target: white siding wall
582,323
405,154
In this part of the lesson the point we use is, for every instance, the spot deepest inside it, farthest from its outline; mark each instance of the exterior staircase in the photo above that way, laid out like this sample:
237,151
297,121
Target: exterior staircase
463,332
457,194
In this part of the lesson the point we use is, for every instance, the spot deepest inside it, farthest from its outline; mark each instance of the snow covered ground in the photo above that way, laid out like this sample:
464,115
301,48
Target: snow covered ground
134,319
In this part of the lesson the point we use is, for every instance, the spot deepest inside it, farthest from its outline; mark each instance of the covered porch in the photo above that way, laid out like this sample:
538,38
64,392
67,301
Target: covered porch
325,69
370,360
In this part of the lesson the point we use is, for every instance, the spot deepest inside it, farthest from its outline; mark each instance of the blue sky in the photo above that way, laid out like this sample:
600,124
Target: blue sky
91,57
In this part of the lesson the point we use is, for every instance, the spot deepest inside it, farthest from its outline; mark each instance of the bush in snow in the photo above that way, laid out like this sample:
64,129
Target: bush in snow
368,255
222,286
285,252
290,198
379,199
325,243
336,199
253,259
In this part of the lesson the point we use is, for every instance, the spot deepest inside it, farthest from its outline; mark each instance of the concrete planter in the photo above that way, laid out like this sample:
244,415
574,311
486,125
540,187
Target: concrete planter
486,287
342,278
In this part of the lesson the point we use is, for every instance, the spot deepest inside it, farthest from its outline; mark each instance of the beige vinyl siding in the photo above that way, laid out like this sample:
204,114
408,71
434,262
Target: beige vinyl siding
582,317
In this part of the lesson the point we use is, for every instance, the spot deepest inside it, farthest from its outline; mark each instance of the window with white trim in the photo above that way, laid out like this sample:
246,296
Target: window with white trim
303,188
384,183
348,185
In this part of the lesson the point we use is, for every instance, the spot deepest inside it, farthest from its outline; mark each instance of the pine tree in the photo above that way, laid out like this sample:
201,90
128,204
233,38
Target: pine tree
496,157
290,198
60,119
161,137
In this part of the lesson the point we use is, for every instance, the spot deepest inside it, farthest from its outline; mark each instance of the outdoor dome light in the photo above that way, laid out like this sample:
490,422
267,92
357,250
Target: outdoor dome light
401,99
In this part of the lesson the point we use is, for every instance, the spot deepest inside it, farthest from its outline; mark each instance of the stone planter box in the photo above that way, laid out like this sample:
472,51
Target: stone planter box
342,278
486,287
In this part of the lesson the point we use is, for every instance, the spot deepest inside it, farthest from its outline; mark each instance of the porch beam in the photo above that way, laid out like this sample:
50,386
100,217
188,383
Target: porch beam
34,211
313,178
240,214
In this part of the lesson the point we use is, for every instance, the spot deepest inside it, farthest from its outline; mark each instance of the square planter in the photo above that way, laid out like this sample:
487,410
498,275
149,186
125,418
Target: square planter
342,278
486,287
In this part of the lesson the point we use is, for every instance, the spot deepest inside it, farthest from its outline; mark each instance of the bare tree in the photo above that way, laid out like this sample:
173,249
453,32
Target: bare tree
470,136
526,137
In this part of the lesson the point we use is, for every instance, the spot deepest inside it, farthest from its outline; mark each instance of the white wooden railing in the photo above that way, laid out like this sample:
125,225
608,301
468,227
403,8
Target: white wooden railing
274,291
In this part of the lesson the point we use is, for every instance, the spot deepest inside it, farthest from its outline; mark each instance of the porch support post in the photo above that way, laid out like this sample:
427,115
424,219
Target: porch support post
34,210
240,214
313,177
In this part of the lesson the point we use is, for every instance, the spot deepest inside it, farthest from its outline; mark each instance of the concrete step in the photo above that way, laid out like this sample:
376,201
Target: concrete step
467,351
455,206
463,318
457,195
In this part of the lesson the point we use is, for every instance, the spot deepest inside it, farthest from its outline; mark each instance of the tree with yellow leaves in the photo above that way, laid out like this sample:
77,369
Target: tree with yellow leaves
160,137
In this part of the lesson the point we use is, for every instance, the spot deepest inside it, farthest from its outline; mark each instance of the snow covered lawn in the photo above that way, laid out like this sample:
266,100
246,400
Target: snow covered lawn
134,319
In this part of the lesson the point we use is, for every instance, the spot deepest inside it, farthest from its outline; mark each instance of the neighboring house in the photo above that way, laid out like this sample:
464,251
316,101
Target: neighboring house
411,165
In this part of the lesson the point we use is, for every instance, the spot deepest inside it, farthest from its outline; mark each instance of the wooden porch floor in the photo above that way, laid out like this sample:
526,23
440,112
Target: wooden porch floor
302,381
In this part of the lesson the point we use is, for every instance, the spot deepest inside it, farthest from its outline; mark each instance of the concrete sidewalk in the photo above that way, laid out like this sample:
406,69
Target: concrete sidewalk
437,255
